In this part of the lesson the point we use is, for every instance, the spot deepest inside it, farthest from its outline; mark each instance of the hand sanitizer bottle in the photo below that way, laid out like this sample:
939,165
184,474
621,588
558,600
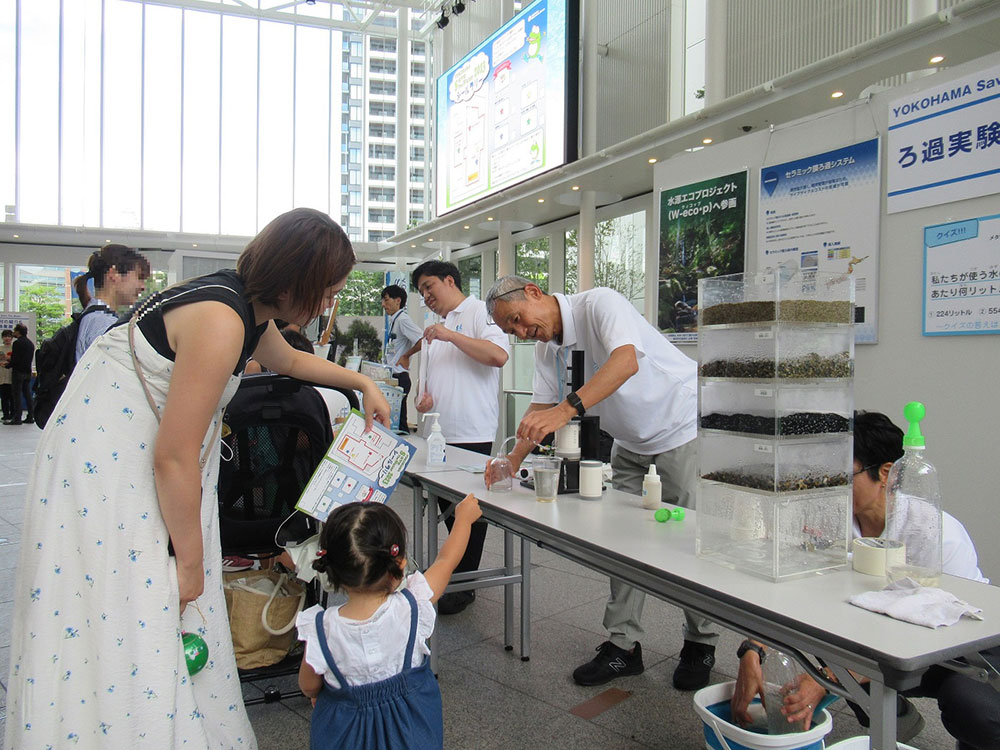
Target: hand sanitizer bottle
435,441
913,507
651,489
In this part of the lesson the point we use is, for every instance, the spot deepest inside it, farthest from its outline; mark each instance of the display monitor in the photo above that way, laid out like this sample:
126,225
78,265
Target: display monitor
507,111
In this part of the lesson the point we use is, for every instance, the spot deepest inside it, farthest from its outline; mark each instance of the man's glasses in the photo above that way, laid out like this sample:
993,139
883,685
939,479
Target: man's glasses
489,318
863,469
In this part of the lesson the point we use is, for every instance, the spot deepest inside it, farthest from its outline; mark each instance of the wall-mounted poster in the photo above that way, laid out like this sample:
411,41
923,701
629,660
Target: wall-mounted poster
702,233
822,212
962,277
944,143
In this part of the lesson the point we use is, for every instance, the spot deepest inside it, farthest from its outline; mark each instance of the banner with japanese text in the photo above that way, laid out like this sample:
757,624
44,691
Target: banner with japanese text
962,277
702,233
821,213
944,143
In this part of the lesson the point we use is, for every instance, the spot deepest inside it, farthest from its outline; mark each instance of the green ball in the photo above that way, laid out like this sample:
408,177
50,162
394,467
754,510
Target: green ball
195,652
678,514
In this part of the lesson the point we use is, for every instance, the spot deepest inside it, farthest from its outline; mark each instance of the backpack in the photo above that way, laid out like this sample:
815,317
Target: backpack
54,362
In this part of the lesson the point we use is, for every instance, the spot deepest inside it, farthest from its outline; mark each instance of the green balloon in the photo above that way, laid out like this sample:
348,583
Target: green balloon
195,652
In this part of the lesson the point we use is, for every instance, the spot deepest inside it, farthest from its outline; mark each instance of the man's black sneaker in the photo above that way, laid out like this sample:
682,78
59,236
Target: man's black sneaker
610,662
455,602
695,668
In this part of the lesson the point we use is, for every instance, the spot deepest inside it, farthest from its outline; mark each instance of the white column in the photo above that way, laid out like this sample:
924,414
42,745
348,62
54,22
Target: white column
588,227
676,63
716,51
588,207
652,257
557,261
506,246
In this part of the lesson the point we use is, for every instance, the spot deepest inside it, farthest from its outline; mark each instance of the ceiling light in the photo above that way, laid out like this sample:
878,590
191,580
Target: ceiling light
443,20
466,227
194,244
541,200
706,141
489,218
412,245
575,187
430,239
458,7
17,236
937,59
651,160
310,2
836,94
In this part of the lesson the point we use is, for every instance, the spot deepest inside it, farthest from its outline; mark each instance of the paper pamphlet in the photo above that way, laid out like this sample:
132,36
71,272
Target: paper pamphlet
358,466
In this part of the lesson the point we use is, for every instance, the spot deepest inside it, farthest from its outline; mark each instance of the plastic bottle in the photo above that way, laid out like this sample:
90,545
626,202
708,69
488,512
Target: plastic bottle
781,677
913,507
651,491
435,441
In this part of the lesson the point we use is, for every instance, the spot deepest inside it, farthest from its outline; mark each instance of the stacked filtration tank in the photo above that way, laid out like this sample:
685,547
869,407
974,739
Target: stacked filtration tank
776,404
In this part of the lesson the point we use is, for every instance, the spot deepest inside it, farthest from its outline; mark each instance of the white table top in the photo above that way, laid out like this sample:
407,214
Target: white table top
617,528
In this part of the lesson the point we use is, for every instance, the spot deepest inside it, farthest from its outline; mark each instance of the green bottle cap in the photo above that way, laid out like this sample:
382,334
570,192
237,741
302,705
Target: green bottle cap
914,412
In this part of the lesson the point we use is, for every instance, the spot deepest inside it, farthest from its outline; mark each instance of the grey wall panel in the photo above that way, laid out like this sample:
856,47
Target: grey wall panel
770,38
634,78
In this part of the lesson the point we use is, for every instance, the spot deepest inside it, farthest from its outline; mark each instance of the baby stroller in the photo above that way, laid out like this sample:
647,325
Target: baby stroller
277,429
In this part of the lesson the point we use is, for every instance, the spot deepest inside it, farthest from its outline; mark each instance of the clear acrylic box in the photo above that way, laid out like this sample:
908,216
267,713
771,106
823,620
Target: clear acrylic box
776,407
779,536
782,464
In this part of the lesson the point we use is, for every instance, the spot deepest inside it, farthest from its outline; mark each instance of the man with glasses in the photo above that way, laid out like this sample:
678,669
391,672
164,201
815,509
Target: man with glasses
463,356
970,710
644,390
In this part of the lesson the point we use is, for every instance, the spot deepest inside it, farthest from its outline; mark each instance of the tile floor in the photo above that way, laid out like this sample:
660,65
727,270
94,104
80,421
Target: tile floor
491,698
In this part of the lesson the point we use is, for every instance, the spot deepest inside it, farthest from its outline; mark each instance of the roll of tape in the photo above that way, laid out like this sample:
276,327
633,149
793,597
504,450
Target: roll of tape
872,556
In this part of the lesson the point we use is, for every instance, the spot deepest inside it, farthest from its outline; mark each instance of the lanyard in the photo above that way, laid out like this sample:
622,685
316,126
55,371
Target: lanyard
388,332
563,372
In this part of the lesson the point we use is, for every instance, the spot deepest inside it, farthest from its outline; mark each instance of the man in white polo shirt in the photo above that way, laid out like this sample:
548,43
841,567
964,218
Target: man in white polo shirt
644,391
463,356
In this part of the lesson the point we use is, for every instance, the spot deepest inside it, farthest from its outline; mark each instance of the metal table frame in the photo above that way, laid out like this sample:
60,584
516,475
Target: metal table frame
781,629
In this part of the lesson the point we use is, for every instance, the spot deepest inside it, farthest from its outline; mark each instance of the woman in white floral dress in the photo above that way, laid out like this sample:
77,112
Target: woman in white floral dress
121,524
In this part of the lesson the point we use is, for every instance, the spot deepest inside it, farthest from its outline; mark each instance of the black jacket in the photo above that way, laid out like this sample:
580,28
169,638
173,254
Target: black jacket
22,352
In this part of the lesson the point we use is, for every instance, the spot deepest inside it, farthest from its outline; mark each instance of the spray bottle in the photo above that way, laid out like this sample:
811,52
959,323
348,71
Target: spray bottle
913,507
651,489
435,441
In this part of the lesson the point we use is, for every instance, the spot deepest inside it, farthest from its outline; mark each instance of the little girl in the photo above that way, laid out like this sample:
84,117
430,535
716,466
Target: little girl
365,663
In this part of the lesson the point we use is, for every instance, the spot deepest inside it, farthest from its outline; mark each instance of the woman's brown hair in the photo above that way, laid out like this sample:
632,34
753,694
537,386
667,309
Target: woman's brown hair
122,259
302,252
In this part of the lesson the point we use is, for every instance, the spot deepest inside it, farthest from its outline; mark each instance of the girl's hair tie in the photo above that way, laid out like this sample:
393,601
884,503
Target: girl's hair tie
394,550
321,553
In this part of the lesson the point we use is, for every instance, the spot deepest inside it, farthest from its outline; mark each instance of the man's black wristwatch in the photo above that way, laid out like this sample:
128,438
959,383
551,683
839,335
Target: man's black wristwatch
576,403
751,646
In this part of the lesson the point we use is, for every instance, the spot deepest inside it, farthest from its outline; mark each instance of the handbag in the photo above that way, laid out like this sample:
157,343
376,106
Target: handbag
263,606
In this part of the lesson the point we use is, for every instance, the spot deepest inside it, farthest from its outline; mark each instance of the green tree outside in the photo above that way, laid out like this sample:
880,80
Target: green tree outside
49,308
531,260
619,261
363,294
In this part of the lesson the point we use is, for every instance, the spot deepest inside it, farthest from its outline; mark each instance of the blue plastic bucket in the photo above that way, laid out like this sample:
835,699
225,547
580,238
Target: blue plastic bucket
712,705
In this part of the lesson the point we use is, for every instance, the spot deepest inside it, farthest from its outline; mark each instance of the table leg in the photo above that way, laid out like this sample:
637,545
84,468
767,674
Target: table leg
508,591
432,550
525,600
418,527
882,710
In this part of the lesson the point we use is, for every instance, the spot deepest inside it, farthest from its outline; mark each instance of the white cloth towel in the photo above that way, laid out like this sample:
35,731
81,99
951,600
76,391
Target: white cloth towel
907,600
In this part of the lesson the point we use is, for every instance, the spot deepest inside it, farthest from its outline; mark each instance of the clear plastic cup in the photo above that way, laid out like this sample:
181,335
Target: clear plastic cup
546,473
